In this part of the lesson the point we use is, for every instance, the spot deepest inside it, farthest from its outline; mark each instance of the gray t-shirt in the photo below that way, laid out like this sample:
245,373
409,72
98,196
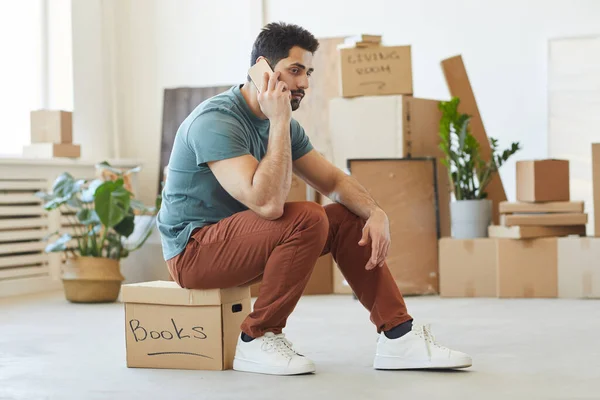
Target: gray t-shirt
219,128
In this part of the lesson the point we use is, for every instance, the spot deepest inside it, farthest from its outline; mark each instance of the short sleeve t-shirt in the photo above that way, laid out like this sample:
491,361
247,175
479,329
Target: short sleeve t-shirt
219,128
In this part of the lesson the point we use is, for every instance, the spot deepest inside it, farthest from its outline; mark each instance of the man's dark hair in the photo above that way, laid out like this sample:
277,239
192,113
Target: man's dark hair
277,38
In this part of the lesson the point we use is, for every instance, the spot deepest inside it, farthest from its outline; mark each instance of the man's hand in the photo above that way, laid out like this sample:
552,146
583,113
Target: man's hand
377,232
275,99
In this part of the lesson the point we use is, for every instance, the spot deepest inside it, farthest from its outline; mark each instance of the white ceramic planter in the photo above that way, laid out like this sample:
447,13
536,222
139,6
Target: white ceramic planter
470,218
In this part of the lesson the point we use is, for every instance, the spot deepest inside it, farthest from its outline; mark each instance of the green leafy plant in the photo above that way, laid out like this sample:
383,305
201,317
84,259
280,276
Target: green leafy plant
469,173
101,214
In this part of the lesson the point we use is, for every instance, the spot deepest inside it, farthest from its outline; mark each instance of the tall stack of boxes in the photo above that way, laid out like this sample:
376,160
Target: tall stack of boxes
375,119
538,250
51,135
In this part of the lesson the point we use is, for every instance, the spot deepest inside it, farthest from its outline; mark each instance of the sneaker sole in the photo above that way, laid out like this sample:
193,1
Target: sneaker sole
383,362
250,366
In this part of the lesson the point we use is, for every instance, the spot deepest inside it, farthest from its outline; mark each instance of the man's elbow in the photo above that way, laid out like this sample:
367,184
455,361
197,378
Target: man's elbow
271,211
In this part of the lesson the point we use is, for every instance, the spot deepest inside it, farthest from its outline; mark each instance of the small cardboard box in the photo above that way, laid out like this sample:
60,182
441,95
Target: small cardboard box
579,268
51,126
375,70
170,327
467,267
51,150
596,186
543,180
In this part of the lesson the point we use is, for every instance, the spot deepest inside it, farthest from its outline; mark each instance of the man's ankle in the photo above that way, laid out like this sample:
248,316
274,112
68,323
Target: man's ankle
399,330
246,338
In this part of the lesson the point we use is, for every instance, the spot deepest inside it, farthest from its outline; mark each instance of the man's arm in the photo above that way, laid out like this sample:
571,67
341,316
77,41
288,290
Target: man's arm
330,181
263,186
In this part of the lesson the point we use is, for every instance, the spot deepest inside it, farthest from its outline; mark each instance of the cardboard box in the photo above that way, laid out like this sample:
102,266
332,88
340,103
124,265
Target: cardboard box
375,70
558,219
389,127
459,86
543,180
51,126
596,186
406,190
490,267
170,327
467,267
579,268
530,232
506,207
51,150
527,268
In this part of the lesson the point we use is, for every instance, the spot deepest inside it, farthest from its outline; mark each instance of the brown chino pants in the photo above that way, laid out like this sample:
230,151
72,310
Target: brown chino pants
244,249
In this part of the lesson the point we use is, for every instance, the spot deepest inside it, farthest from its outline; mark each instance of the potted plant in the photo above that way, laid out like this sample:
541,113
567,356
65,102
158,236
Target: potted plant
101,216
468,172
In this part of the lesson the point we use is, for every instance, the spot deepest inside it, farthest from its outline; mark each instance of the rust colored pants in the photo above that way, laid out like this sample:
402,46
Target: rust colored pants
244,249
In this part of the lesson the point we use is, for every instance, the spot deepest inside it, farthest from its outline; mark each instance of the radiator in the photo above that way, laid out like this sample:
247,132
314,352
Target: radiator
24,266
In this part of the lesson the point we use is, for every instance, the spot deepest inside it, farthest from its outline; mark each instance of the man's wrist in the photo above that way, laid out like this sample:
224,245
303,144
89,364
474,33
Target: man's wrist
376,210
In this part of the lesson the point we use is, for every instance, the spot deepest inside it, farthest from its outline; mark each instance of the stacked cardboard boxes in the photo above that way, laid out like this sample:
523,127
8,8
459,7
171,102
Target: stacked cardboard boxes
544,208
51,135
537,251
376,119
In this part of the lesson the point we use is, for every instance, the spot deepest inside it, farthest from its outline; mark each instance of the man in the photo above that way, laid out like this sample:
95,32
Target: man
224,221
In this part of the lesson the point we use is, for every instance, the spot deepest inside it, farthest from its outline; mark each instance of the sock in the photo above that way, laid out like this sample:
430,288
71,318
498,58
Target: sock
246,338
399,330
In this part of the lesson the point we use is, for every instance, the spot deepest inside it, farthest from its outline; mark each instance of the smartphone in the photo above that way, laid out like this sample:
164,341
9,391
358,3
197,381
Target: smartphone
257,72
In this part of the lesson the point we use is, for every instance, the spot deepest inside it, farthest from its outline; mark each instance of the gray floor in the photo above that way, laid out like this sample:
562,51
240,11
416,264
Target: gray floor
525,349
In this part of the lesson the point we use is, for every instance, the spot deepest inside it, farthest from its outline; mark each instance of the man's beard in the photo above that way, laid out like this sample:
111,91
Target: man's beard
296,102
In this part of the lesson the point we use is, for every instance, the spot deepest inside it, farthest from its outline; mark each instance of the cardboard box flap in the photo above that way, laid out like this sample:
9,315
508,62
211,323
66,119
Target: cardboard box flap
169,293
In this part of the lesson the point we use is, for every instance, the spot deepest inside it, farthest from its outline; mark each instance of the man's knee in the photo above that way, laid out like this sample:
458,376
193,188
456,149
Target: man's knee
310,214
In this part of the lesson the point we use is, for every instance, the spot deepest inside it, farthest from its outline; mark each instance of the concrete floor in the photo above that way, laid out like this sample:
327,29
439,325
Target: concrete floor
522,349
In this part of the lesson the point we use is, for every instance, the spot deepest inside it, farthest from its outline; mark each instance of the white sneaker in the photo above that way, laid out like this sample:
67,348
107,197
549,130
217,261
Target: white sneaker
417,350
270,354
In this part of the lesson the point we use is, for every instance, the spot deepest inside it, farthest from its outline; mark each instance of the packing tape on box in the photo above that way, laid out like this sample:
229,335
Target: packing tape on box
586,284
469,245
469,289
528,291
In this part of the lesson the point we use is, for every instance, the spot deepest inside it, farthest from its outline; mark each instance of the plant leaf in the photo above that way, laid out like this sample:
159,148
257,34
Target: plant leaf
88,194
126,226
112,202
59,245
137,205
106,166
88,217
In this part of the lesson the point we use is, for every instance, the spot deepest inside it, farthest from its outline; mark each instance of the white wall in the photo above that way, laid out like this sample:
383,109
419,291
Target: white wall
92,116
164,44
503,43
145,46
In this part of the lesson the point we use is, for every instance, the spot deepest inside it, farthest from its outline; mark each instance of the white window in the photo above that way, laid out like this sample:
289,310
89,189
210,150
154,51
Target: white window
35,65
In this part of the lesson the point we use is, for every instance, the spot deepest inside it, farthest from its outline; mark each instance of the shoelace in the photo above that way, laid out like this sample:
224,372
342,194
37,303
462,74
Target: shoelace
278,343
424,331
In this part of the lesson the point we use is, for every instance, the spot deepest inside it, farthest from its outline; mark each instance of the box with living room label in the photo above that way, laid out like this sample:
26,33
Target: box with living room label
375,70
170,327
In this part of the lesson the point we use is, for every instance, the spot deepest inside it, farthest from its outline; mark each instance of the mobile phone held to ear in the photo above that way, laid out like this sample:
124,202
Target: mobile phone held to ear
257,73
